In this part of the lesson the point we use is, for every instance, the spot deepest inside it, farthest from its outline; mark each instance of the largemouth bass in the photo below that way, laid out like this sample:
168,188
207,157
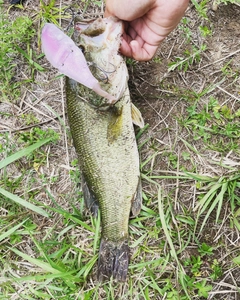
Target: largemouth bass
105,143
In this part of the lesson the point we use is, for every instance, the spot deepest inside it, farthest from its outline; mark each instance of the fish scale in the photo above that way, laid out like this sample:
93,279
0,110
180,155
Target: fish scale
111,169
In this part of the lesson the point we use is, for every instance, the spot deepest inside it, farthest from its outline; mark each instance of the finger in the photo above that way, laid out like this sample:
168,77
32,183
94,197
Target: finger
127,38
130,31
125,48
144,52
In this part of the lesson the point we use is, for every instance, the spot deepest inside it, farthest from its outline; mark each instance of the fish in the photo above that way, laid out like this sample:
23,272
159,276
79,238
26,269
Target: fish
103,135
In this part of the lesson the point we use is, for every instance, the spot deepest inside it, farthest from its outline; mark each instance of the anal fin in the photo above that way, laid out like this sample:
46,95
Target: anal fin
137,200
89,198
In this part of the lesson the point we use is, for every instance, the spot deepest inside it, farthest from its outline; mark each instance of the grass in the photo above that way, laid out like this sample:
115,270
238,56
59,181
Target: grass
14,34
185,241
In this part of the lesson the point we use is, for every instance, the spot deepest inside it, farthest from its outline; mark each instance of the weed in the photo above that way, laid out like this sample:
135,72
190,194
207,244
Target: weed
195,263
201,8
216,270
205,31
49,13
203,288
173,160
29,119
36,134
130,62
191,56
205,249
213,120
219,190
184,27
13,34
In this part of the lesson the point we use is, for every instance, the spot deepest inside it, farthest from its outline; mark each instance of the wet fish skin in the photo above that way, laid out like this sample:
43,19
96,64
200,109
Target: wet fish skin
106,146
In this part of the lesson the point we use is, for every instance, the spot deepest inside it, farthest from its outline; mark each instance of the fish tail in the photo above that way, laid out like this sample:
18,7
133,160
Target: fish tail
113,260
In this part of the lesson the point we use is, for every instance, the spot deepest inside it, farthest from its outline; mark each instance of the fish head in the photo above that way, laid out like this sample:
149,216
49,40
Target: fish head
99,34
100,41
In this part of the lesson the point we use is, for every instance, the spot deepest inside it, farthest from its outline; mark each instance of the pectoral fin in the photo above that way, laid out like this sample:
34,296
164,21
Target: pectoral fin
137,118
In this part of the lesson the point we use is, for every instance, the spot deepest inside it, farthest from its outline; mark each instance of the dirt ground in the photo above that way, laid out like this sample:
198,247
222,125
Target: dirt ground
163,98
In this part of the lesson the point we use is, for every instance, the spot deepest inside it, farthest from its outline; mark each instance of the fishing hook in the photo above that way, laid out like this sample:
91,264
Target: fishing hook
73,15
105,73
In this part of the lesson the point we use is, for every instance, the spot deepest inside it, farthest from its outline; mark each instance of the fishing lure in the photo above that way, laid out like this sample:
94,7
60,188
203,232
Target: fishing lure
63,54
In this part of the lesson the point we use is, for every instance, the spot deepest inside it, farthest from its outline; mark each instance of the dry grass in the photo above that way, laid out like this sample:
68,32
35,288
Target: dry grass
179,157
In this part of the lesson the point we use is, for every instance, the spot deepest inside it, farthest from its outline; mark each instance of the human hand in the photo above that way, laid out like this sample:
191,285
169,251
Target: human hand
147,23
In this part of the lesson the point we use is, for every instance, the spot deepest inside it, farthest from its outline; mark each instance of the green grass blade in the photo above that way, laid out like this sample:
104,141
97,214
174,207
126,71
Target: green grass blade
31,62
46,257
203,203
155,286
24,203
43,265
61,121
141,131
38,294
97,232
148,179
68,215
11,230
148,159
236,260
139,241
200,177
164,226
180,270
23,152
88,266
236,218
207,199
40,278
141,265
220,199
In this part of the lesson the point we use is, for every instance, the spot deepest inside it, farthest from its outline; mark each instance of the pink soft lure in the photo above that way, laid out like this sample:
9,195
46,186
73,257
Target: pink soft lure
63,54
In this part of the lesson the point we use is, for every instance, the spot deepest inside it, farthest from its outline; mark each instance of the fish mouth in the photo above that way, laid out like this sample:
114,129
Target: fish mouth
101,32
100,41
116,26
